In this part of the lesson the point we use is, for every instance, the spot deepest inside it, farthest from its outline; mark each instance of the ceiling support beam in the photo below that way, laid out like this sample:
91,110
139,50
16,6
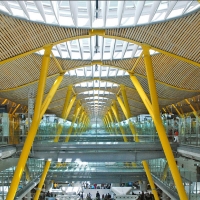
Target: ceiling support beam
154,111
193,109
57,64
50,95
100,32
150,179
76,113
14,111
116,114
34,126
64,111
42,179
180,115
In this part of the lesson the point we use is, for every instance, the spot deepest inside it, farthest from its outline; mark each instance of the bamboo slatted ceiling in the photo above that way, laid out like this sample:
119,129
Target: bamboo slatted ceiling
175,79
29,36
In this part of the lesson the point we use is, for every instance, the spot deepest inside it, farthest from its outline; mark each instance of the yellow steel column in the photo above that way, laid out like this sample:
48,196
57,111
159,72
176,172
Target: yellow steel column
194,111
34,126
15,110
105,123
108,128
159,126
71,103
67,100
125,111
76,113
164,174
128,111
142,94
116,113
80,121
180,115
66,112
83,124
148,173
112,121
42,179
109,125
86,124
66,104
4,101
28,178
50,95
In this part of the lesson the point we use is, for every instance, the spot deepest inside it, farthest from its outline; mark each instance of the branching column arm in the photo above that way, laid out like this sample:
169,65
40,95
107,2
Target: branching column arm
14,111
126,110
159,126
180,115
193,109
116,114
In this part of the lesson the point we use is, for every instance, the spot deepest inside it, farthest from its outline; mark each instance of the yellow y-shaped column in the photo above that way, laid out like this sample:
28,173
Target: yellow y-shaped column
126,110
155,114
34,126
116,114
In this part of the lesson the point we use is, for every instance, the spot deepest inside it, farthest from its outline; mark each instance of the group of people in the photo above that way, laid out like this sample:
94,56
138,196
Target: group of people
98,197
145,196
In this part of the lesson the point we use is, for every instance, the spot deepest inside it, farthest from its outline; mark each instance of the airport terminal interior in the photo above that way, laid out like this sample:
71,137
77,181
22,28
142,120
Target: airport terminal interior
100,100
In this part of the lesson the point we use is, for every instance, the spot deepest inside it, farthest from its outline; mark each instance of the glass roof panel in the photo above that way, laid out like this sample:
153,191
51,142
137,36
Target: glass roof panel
96,71
109,13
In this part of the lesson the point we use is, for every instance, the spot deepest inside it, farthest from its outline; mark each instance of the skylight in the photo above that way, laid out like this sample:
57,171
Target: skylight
97,71
96,48
109,14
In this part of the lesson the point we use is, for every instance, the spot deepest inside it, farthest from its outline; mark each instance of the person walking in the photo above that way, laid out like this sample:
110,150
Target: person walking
176,136
97,196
